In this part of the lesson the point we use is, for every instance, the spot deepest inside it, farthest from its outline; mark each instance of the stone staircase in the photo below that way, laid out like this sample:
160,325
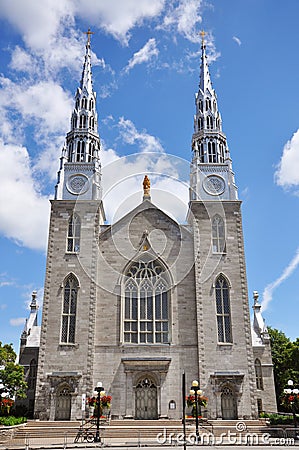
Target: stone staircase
136,432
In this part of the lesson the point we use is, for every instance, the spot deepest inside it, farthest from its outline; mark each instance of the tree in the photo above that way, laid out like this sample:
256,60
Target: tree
11,374
285,356
7,354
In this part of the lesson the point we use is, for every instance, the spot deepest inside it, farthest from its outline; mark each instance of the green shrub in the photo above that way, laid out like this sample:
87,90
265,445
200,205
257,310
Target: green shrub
279,419
9,421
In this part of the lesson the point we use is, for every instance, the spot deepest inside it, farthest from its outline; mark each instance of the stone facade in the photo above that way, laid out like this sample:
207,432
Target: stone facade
136,303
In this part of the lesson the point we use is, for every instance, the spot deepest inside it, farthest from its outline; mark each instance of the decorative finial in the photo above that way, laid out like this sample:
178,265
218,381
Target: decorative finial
89,33
146,186
256,304
202,34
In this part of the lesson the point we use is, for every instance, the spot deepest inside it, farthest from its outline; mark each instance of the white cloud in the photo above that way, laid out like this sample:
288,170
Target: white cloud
41,23
122,184
45,107
45,101
119,17
131,135
44,104
287,272
287,173
237,40
38,22
145,54
23,210
184,18
16,322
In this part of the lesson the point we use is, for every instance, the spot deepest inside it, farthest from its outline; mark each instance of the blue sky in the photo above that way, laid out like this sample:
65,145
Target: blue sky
146,57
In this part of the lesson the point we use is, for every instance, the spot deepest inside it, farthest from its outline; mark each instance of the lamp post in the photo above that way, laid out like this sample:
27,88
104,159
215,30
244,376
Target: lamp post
292,392
195,390
100,391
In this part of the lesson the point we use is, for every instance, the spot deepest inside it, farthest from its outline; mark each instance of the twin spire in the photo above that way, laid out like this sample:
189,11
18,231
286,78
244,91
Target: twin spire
79,176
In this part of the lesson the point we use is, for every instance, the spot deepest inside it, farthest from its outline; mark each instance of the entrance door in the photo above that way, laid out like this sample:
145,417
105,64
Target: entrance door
63,404
146,400
228,404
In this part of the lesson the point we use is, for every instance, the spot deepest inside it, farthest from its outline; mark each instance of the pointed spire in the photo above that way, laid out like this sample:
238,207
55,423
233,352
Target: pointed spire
205,79
86,80
210,153
260,331
33,305
79,175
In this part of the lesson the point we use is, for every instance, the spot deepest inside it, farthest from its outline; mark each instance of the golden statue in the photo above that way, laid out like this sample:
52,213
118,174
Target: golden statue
146,186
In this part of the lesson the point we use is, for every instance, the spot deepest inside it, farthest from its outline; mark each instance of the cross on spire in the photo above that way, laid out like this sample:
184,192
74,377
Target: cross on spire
89,33
202,34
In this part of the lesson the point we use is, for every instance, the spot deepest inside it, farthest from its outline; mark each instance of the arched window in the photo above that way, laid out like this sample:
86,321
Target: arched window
82,123
91,104
88,152
208,104
73,235
200,123
221,153
77,104
68,322
218,234
201,153
223,310
74,122
70,152
212,156
146,304
200,106
91,122
80,154
209,122
258,374
84,103
92,148
32,374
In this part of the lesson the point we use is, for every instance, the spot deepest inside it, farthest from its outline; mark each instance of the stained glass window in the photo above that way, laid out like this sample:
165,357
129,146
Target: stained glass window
146,308
73,235
218,235
68,323
223,310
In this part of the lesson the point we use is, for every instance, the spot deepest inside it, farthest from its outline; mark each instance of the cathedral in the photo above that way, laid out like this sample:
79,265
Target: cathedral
135,303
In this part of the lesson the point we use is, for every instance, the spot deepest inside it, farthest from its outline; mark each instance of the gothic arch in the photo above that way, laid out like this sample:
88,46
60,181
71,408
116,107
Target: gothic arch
146,397
69,309
63,404
145,301
32,373
258,374
73,234
218,234
71,274
221,274
229,410
223,310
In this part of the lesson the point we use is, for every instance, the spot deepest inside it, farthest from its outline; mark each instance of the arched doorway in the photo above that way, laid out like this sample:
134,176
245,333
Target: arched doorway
63,404
228,404
146,400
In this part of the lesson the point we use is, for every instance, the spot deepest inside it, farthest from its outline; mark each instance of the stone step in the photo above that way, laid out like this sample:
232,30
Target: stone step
130,430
